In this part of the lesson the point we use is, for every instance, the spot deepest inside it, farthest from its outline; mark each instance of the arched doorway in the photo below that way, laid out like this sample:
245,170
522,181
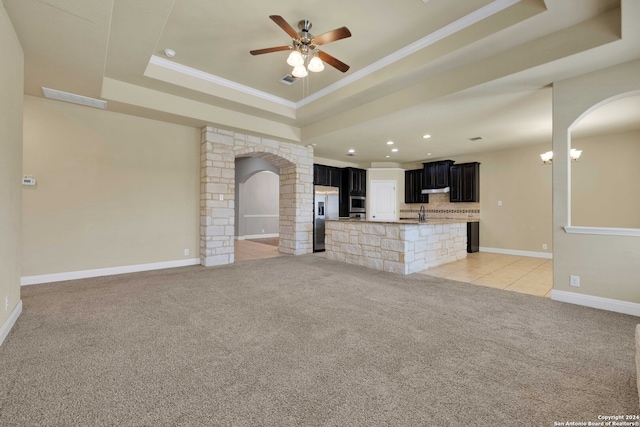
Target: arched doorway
257,198
219,150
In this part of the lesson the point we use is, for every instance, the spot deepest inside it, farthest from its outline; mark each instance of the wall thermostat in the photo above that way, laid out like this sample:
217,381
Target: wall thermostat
28,180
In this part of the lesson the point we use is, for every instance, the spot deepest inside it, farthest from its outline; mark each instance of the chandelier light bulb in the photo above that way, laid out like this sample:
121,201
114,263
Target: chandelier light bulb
316,65
295,59
299,71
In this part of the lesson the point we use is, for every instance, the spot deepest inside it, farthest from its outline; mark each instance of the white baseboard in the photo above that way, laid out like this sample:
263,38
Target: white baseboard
256,236
11,320
546,255
618,306
84,274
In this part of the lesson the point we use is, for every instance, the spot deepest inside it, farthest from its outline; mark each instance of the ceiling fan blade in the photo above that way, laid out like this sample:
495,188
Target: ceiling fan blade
331,36
333,61
269,50
285,26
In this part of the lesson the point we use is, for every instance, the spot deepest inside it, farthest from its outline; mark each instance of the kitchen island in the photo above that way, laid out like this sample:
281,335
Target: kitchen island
404,247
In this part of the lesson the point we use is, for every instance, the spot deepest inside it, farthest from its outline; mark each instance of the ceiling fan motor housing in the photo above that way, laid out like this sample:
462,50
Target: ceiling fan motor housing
306,38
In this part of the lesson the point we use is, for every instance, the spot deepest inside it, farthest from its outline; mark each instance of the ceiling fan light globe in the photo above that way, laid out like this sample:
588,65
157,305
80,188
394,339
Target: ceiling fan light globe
316,65
299,71
295,59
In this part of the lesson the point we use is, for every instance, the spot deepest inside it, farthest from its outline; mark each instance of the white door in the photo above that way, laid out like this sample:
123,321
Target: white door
383,200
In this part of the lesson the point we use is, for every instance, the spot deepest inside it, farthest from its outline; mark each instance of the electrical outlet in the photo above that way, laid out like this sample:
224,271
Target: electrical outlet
263,230
574,281
221,197
499,202
186,252
544,246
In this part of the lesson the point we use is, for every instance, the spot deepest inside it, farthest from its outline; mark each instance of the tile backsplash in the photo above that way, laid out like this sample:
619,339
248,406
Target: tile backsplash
439,206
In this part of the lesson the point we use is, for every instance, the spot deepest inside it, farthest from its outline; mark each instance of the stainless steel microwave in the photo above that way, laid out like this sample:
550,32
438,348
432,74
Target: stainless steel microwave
357,204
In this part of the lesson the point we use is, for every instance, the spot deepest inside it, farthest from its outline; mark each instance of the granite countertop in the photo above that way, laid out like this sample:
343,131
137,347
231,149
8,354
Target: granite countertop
429,221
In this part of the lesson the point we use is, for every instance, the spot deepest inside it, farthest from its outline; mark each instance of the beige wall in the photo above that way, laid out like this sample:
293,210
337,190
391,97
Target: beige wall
517,178
11,98
607,264
113,190
604,182
258,205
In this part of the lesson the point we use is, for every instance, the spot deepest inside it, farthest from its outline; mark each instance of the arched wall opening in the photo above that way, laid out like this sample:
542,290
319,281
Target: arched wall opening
219,150
602,260
257,198
604,191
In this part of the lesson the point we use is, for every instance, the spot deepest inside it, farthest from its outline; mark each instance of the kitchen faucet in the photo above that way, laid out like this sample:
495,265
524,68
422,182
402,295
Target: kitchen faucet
422,215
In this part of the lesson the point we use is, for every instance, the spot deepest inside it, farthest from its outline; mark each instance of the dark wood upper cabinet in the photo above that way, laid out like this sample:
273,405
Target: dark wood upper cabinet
413,187
465,182
327,175
436,174
335,177
355,181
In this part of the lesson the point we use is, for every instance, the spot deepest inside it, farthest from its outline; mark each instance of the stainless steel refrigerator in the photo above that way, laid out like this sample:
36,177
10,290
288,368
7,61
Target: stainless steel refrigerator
326,206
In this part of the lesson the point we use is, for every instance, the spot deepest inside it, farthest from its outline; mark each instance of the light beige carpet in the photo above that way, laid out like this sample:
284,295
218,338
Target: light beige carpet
301,340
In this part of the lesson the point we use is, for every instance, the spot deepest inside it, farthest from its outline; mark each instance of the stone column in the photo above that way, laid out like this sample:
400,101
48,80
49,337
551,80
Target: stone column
296,209
217,197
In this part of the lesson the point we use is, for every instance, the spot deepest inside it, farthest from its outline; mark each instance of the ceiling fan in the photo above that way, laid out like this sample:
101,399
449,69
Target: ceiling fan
305,47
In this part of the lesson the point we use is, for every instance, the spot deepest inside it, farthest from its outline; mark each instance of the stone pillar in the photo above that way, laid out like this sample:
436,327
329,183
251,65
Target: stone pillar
217,197
296,210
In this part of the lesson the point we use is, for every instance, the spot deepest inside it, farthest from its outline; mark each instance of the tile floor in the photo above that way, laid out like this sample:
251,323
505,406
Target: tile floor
526,275
509,272
245,250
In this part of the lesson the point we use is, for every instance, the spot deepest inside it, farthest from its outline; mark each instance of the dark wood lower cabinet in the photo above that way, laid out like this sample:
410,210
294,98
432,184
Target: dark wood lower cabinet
473,237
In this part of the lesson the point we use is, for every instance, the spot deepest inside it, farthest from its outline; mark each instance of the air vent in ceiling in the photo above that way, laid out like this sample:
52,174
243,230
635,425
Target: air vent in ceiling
72,97
288,79
476,138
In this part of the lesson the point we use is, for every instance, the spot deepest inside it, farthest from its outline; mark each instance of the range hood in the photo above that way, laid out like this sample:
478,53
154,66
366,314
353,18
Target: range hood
435,190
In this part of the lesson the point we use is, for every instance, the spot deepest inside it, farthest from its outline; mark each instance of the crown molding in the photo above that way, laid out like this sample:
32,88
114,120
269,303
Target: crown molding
210,78
446,31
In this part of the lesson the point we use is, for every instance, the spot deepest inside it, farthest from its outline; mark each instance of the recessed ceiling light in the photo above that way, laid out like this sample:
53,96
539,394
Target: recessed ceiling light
387,156
351,150
394,150
169,53
389,142
426,136
428,154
